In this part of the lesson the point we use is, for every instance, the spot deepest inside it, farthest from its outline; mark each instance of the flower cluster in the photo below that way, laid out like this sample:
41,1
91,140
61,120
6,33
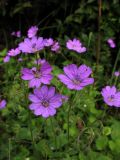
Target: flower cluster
76,78
111,96
44,99
111,43
75,45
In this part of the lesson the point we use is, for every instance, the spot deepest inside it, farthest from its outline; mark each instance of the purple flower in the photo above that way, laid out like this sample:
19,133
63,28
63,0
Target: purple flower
31,45
16,34
20,59
117,73
75,45
40,61
13,52
13,33
111,96
48,42
76,77
2,104
55,47
45,101
32,31
37,76
6,59
111,43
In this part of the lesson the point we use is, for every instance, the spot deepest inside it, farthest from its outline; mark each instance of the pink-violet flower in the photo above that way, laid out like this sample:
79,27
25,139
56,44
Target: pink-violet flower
6,59
40,61
20,59
36,76
32,31
45,101
48,42
117,73
76,78
111,96
75,45
3,104
55,47
111,43
13,52
16,34
32,45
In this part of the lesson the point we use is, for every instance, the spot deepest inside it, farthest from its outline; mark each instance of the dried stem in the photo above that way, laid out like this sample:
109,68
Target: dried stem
99,34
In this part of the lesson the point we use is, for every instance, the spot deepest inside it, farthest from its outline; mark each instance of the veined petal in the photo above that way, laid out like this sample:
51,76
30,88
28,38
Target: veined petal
35,82
34,98
34,106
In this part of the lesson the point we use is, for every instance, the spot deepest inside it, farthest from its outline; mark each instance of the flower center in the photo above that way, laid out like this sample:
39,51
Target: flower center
37,74
77,80
111,98
45,103
34,45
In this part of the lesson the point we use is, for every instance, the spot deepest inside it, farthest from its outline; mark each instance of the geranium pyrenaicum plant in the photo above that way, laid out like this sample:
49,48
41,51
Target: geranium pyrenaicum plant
76,78
111,43
13,52
32,31
45,101
36,76
111,96
75,45
32,45
2,104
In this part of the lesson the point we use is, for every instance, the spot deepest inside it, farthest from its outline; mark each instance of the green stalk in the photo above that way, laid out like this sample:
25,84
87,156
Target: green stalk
31,132
114,67
68,119
54,133
9,154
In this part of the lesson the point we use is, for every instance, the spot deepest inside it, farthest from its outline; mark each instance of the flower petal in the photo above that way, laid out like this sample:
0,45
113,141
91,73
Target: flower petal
35,82
34,98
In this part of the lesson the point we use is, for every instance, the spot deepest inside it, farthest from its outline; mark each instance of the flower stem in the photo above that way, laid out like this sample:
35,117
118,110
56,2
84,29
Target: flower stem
68,119
9,148
68,116
54,133
115,65
31,132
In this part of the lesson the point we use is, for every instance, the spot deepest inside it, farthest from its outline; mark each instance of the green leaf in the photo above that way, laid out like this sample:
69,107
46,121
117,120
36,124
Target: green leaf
106,131
115,134
24,133
101,142
3,52
43,147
